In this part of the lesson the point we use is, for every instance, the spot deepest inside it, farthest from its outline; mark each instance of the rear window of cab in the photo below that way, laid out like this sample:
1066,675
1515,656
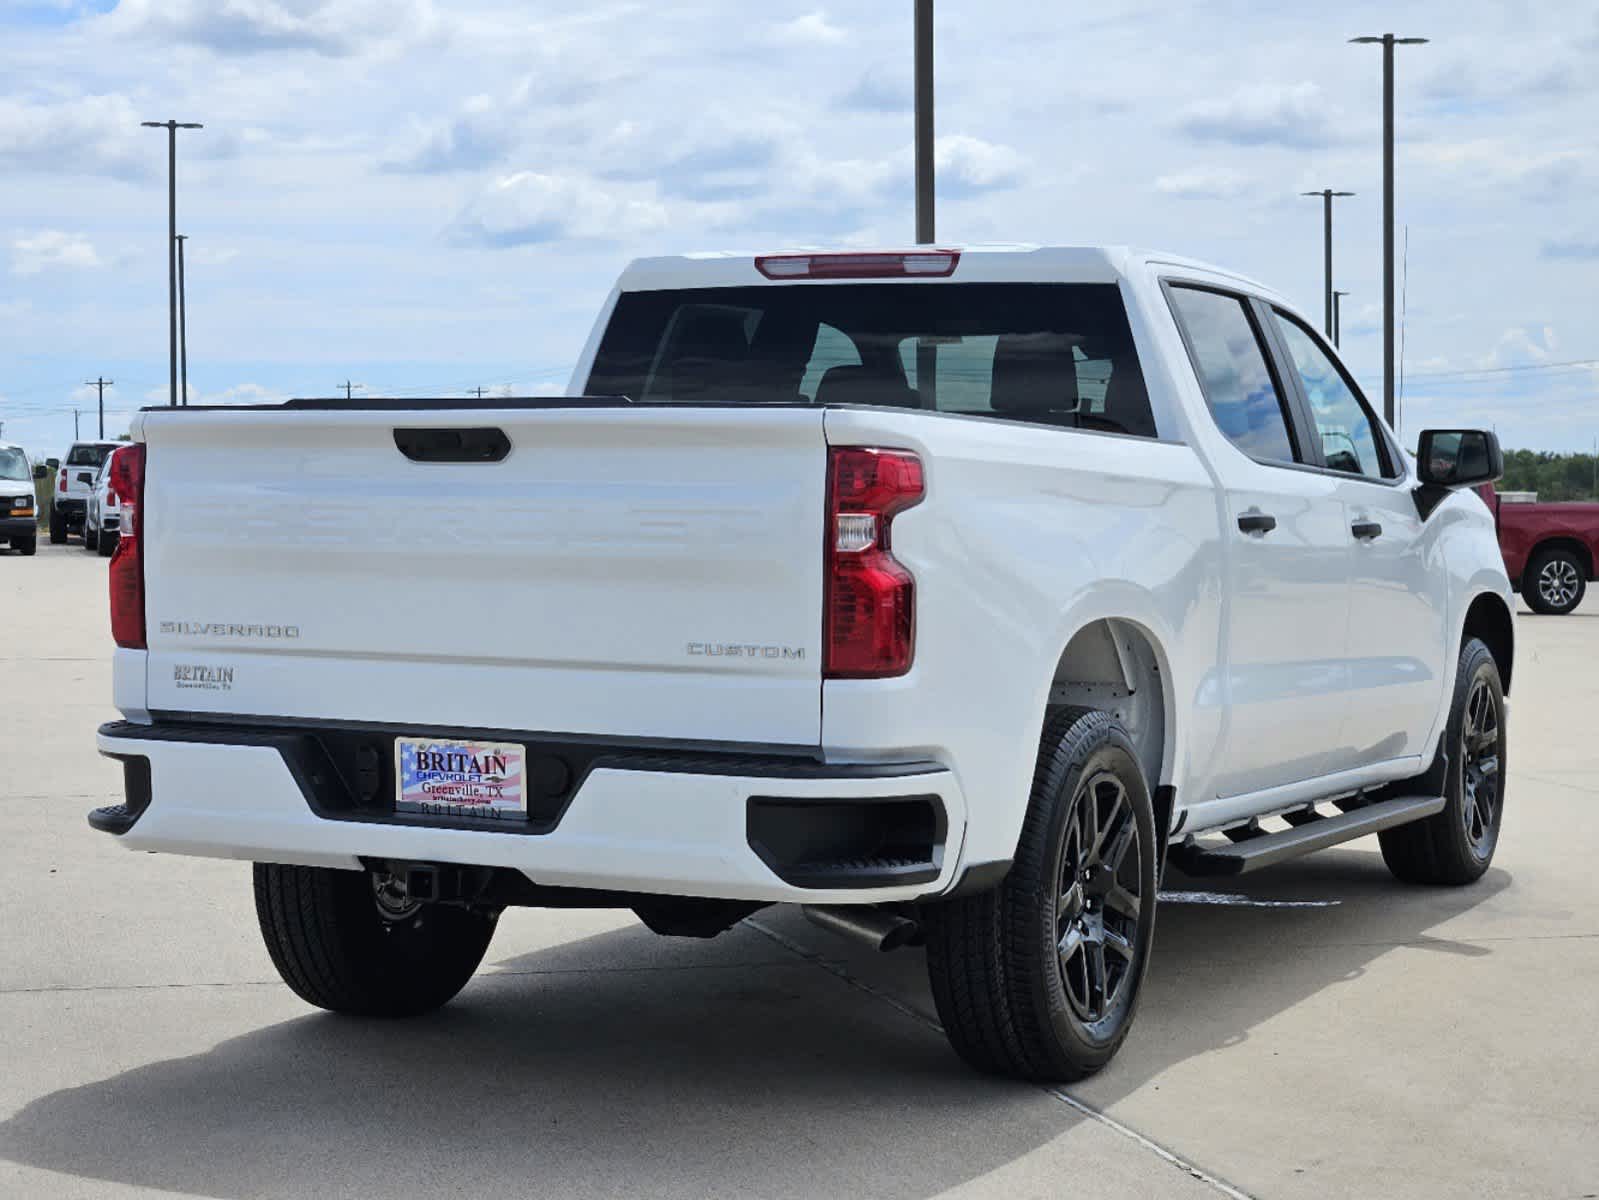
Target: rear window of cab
1050,354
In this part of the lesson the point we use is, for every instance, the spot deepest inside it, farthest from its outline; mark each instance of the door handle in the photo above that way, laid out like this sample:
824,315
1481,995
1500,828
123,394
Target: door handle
453,445
1257,522
1366,530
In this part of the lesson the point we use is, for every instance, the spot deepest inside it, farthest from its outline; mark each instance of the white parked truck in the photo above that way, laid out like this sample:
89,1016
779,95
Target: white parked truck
949,593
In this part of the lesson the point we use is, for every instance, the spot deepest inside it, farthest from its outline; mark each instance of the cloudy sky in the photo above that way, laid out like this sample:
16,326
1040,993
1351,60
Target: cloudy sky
426,196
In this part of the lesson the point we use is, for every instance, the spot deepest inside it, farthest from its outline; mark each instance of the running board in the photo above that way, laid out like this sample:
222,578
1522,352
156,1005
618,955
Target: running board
1308,831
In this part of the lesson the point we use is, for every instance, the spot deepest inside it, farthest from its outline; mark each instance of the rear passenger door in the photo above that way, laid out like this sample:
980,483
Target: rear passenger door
1283,681
1398,639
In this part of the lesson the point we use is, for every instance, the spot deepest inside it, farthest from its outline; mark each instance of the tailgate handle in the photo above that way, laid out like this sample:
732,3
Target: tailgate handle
453,445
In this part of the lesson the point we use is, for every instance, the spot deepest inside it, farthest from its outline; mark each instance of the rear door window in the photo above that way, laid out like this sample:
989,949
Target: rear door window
1240,390
1053,354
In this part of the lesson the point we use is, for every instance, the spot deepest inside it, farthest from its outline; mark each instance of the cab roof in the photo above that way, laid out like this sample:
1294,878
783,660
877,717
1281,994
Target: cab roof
978,263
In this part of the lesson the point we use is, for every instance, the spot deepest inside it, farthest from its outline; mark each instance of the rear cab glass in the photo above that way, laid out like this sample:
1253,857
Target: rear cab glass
87,455
1052,354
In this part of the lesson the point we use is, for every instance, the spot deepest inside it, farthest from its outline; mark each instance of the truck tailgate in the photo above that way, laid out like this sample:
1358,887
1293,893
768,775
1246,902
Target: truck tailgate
623,571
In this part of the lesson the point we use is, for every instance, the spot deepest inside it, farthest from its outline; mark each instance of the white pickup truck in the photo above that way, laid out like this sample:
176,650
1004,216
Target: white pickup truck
948,593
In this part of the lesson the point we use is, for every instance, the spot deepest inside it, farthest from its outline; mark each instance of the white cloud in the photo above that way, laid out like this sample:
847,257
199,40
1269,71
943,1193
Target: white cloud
530,207
1291,115
51,250
329,27
1219,182
813,29
1522,346
87,135
970,164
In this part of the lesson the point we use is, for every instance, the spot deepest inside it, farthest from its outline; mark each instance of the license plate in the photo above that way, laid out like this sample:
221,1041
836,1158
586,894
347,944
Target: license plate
441,778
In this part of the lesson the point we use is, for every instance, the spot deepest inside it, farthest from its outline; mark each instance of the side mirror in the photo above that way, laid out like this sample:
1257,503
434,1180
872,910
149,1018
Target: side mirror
40,471
1459,458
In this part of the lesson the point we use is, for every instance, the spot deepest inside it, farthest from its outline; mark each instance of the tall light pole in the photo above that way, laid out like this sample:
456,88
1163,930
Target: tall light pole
1388,41
172,128
1337,317
183,327
924,121
1327,195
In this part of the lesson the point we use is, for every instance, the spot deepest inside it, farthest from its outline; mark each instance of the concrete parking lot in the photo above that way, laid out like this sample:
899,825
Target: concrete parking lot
1330,1033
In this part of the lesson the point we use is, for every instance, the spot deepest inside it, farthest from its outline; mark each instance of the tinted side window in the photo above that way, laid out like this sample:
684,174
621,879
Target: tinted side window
1349,439
1238,385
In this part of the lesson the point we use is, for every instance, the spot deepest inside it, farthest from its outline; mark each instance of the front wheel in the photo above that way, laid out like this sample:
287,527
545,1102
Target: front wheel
26,546
91,536
1039,977
107,544
352,942
1456,845
1555,582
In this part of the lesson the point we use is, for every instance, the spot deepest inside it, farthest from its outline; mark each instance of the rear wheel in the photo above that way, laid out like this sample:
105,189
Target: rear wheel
1457,844
353,941
107,543
1555,582
91,537
1039,978
58,526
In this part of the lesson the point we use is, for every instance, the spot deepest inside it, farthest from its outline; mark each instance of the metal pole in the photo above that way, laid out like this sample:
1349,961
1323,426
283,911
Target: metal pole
100,385
183,326
1338,317
172,128
924,121
1388,41
74,424
1327,195
1326,206
1388,409
172,257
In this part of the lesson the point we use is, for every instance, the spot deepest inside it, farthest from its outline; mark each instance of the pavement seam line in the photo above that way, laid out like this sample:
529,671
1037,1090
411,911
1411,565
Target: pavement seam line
1087,1110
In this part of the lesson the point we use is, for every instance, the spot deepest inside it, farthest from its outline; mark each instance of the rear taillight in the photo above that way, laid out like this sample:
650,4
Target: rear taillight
127,565
61,484
869,603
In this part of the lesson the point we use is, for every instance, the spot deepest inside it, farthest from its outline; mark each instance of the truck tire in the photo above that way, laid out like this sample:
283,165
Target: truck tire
1039,977
91,538
58,526
340,947
26,546
1555,582
1456,845
106,543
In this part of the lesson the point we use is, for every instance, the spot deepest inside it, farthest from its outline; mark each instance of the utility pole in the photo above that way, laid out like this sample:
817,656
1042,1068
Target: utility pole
924,122
183,328
1327,195
1337,316
1388,41
478,392
349,388
172,128
101,384
74,424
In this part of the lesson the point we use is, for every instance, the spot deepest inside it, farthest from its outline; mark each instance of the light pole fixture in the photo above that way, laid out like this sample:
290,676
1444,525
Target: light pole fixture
1327,195
1388,41
172,128
1337,317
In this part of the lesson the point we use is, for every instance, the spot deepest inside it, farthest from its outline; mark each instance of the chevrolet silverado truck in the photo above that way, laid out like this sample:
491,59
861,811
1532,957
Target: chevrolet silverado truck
74,485
950,594
1550,549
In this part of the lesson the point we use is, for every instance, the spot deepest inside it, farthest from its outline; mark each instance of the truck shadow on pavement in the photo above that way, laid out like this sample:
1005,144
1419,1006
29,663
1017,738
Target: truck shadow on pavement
619,1064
